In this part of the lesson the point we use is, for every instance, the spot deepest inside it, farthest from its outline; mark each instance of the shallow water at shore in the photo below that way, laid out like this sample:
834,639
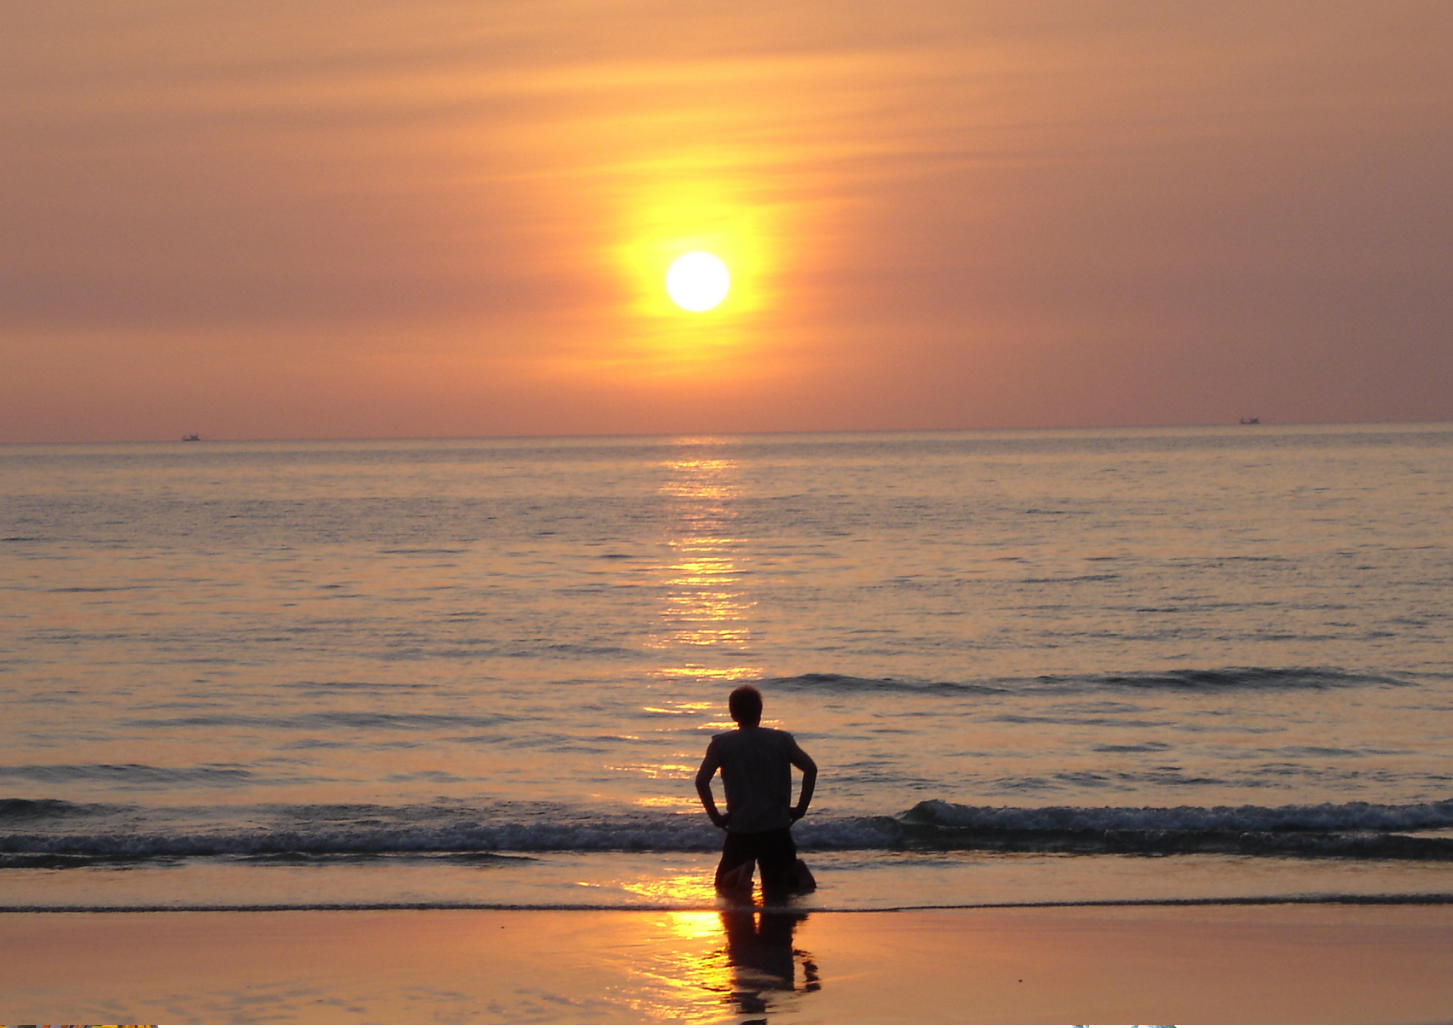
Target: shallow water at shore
858,881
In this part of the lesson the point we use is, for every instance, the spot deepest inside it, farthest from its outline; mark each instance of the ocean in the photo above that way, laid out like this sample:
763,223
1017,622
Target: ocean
1109,666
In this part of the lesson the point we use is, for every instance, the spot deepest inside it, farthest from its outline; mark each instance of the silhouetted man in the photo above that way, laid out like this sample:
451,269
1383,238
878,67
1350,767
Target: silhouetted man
756,770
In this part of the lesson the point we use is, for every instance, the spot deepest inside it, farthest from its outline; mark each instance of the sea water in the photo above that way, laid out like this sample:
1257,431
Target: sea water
1036,666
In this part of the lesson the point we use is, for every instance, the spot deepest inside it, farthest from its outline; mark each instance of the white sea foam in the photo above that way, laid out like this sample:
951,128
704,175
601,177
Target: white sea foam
33,833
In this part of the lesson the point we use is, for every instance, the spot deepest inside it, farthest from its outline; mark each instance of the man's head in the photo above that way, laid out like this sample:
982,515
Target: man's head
745,703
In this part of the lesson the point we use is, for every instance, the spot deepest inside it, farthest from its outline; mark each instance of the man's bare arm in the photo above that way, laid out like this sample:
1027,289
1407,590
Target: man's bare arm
808,767
709,767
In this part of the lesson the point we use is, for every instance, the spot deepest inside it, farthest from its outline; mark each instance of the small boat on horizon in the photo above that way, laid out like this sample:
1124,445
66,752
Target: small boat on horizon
191,438
1250,421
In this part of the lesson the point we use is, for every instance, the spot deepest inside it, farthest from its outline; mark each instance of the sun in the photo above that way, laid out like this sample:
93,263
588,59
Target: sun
698,281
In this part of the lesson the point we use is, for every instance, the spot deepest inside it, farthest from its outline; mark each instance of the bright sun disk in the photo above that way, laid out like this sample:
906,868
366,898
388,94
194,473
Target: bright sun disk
698,281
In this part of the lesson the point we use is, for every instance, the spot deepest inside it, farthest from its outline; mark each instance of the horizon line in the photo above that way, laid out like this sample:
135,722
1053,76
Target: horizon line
1258,424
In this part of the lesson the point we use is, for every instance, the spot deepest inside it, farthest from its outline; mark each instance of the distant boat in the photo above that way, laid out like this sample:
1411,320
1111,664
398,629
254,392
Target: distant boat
192,438
1251,421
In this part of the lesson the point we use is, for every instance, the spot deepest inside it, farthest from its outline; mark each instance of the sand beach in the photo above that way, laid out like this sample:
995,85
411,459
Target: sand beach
1223,964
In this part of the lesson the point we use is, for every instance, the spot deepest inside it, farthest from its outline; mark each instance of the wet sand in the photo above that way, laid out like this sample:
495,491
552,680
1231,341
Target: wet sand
1261,964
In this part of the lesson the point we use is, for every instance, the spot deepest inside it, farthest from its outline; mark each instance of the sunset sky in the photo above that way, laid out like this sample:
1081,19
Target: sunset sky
454,217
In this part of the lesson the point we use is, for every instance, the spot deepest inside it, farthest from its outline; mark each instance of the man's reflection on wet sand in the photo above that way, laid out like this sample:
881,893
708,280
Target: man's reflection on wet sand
762,960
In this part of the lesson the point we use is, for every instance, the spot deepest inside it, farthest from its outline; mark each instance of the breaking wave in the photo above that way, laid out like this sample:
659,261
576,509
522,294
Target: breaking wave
52,833
1194,680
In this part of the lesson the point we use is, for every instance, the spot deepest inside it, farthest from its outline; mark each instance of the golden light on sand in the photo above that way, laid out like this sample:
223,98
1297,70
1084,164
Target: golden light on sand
694,924
698,281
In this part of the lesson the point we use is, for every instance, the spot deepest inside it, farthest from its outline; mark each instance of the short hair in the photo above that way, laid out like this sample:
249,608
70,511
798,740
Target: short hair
745,704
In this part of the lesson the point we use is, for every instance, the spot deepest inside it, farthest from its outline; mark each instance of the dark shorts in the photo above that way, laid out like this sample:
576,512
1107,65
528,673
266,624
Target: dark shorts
774,852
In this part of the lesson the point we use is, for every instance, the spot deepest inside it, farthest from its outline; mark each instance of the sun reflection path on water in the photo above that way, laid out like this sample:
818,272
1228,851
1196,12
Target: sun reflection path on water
705,608
709,964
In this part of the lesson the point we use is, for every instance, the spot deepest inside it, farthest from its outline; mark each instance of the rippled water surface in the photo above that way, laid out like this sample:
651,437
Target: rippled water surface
489,668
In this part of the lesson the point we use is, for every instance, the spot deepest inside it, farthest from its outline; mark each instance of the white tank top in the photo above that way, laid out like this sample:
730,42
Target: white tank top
756,769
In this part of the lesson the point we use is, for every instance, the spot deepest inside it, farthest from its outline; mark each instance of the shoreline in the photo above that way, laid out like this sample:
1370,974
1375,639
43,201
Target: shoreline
1164,963
1429,899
